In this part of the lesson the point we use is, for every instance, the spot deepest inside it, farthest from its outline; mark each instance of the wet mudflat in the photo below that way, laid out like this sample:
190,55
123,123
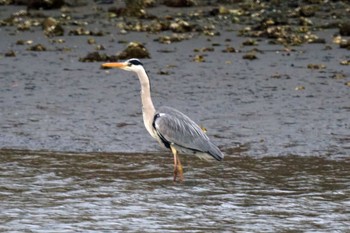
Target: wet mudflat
292,99
42,192
276,104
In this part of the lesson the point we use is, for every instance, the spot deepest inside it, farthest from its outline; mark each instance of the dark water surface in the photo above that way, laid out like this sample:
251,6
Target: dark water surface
45,192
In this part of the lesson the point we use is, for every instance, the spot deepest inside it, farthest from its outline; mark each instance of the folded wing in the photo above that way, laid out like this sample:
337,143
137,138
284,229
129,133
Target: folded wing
173,127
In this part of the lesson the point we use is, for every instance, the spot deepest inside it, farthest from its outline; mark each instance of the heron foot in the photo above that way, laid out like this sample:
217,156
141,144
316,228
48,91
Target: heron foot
178,170
178,173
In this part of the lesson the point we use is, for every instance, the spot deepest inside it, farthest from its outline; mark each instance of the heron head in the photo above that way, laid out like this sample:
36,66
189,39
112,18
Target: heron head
132,64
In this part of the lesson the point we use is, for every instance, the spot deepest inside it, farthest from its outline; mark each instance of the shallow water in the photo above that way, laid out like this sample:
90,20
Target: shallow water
42,192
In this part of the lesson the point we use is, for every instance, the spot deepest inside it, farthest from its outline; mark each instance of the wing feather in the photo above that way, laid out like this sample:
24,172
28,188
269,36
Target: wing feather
173,127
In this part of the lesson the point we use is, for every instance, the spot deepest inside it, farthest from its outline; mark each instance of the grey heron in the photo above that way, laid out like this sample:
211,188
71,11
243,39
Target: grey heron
171,128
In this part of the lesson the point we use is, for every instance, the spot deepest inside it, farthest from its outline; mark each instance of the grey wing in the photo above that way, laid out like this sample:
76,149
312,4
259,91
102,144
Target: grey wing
173,127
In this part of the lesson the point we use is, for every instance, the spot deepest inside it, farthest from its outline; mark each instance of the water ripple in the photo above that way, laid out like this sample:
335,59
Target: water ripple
43,192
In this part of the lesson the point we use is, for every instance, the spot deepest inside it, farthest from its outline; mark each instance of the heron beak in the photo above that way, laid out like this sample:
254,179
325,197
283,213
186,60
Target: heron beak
119,65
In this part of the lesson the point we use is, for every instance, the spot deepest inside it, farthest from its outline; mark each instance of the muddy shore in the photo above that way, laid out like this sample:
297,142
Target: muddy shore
292,99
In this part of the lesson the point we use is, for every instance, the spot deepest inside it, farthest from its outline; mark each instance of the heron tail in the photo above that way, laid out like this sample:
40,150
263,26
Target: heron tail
215,152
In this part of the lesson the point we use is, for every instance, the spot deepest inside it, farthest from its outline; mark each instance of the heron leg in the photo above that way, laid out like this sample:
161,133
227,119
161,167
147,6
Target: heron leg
178,170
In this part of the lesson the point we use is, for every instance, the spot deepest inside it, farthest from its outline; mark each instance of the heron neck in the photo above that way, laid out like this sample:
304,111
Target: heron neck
148,109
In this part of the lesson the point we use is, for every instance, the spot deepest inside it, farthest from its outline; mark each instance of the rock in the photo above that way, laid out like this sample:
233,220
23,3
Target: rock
315,1
229,49
179,3
134,50
316,66
250,56
313,39
52,27
24,26
24,42
181,26
91,41
307,11
345,62
172,38
305,21
10,53
214,12
99,47
317,41
37,48
199,58
250,42
344,29
98,57
299,88
338,76
80,31
5,2
45,4
77,3
135,8
345,44
163,72
205,49
20,2
150,3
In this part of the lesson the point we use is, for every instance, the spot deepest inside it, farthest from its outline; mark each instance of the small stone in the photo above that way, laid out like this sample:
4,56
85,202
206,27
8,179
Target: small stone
163,72
345,62
10,53
52,27
80,31
337,39
172,38
338,76
229,49
45,4
199,58
250,56
179,3
249,42
135,8
345,44
344,29
317,41
24,26
208,49
5,2
91,41
57,41
20,42
99,47
299,88
181,26
37,48
305,21
307,11
316,66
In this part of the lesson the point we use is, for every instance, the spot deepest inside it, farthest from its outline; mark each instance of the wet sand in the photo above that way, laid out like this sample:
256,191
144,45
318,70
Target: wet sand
272,106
